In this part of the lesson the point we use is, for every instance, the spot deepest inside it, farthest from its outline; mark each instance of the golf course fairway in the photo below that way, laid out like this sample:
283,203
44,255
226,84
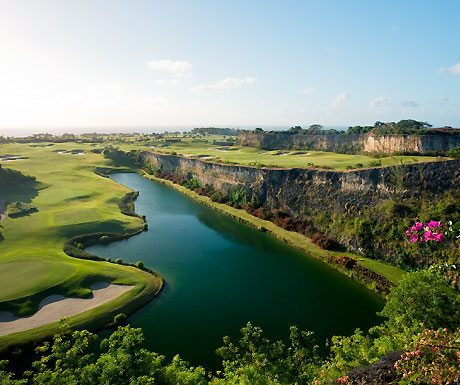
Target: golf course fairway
70,199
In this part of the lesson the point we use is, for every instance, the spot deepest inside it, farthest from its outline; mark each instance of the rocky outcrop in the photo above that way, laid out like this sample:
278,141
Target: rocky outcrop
281,141
380,144
417,144
299,190
380,372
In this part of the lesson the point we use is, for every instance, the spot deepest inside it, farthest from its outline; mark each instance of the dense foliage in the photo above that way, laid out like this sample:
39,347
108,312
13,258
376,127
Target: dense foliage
380,231
403,127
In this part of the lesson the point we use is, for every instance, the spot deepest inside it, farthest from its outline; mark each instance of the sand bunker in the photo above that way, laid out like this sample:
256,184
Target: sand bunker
204,157
55,307
11,158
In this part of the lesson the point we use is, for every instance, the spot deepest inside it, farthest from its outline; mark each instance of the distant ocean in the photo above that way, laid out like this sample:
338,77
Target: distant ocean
26,131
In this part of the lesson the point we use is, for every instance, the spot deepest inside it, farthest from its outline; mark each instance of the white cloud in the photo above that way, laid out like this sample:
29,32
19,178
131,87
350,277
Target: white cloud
381,101
340,99
174,68
308,91
170,82
107,92
409,104
454,70
224,85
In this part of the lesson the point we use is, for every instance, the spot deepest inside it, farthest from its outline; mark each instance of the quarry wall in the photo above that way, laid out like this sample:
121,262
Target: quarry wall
299,190
384,144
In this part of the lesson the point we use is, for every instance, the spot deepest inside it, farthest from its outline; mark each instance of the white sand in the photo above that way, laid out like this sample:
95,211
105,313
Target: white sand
11,159
55,307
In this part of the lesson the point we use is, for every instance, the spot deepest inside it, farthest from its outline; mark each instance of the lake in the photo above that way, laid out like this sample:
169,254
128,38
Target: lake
219,274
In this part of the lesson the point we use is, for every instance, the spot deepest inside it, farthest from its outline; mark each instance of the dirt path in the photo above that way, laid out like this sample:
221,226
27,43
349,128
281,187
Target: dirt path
55,307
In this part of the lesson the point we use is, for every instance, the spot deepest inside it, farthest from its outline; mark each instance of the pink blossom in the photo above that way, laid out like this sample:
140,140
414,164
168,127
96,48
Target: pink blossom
414,238
428,236
418,226
434,224
438,237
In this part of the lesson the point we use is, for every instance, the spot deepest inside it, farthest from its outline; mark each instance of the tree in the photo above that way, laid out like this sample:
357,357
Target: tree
315,127
420,298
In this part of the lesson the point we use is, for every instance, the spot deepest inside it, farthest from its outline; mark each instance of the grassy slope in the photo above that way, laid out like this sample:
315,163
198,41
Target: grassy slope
294,239
248,155
72,200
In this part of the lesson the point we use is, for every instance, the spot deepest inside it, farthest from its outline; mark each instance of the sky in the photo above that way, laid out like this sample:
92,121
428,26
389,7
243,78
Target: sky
142,65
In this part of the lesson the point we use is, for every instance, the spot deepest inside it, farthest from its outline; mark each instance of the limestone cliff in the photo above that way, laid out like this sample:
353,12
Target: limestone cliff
385,144
298,190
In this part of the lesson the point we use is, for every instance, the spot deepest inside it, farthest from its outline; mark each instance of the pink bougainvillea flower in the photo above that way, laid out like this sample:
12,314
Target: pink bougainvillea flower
438,237
428,236
434,224
418,226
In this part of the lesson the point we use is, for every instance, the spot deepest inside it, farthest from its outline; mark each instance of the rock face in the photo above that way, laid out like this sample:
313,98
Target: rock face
384,144
380,372
421,144
299,190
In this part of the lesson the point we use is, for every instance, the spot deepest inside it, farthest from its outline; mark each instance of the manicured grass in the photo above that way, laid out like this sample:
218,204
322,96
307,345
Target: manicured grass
25,276
297,240
70,200
256,157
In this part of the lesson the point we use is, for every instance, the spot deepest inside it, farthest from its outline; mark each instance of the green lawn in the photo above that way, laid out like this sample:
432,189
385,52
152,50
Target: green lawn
70,200
256,157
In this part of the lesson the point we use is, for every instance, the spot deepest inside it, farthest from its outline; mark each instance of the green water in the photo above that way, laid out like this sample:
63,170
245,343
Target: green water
220,274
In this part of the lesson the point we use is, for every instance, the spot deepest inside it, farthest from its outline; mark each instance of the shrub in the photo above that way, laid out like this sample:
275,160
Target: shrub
434,358
324,242
119,319
17,209
191,184
139,264
119,261
454,152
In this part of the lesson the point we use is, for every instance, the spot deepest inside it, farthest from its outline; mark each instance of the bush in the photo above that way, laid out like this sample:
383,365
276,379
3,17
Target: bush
119,319
17,209
191,184
119,261
420,298
139,265
324,242
218,197
454,152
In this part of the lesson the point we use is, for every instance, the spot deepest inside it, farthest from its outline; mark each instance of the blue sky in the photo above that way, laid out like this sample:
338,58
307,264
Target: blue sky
80,64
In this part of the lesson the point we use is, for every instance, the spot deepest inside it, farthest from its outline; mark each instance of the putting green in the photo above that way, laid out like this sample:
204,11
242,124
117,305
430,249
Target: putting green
22,277
69,217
